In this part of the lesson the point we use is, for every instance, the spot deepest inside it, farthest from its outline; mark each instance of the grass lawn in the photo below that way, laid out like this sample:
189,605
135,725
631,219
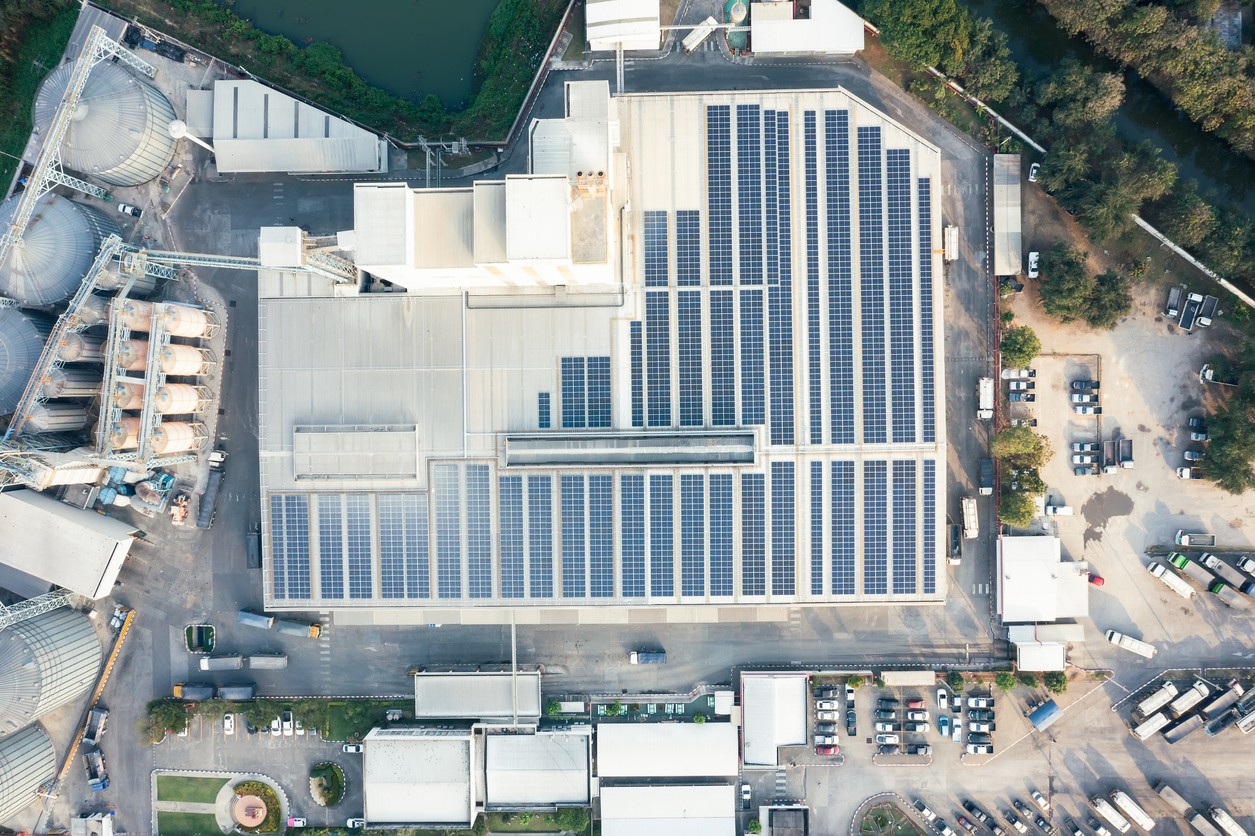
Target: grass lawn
575,49
356,718
38,53
535,823
184,788
187,824
887,820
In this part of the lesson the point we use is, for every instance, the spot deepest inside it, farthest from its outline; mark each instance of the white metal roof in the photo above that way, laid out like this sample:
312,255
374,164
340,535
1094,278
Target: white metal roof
256,128
1036,585
417,776
477,696
773,711
669,811
1008,229
537,219
280,246
671,750
543,768
633,23
388,451
380,212
68,547
831,29
1034,653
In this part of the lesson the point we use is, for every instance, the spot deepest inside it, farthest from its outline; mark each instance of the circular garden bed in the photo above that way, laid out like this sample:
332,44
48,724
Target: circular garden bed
326,784
266,796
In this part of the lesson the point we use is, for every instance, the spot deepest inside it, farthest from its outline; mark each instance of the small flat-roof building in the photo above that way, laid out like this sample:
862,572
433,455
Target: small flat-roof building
667,750
805,27
81,551
1036,585
477,696
1008,227
537,770
418,777
632,24
773,714
669,811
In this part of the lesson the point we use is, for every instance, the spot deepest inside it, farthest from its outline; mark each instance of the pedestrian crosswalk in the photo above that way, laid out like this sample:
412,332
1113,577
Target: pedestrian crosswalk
782,784
980,589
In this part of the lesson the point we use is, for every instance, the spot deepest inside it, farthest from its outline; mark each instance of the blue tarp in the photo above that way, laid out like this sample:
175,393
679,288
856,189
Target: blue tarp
1045,715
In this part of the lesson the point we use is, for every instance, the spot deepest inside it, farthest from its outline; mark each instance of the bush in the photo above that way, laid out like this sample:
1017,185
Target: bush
572,818
1029,680
1019,346
1056,682
753,826
699,718
553,708
856,681
326,784
271,823
616,709
166,716
1004,680
955,680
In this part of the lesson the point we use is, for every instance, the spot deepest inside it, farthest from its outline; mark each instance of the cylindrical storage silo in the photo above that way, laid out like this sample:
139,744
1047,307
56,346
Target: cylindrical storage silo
183,359
28,760
56,417
120,130
45,662
72,383
176,437
78,347
178,399
113,280
135,314
128,395
124,435
22,338
185,321
132,355
94,310
60,243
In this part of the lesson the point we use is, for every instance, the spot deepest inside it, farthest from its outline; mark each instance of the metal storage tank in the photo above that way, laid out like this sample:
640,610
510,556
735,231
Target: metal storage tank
124,435
60,243
22,338
180,399
128,395
94,310
185,359
27,762
45,662
132,355
186,321
72,383
177,437
77,347
120,130
57,417
113,280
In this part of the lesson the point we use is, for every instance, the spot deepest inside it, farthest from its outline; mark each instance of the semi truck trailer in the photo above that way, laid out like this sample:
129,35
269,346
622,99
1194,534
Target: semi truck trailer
1225,822
1226,572
1171,580
231,662
1132,810
1150,727
1191,697
193,691
971,522
295,628
1229,596
1131,644
985,398
1110,814
1175,801
1157,700
1193,540
1192,570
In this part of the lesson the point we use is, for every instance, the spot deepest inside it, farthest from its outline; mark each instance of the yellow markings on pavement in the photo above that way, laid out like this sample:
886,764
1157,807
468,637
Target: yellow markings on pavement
100,686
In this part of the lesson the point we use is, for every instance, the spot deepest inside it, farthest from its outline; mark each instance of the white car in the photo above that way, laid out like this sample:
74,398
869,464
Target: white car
128,209
1246,565
228,724
351,748
826,705
826,716
941,699
1082,458
1084,447
886,739
980,702
1087,409
300,730
956,730
928,815
849,697
919,728
294,821
275,727
356,824
1033,171
745,792
287,724
1040,801
1034,259
1078,397
917,715
979,749
884,727
981,727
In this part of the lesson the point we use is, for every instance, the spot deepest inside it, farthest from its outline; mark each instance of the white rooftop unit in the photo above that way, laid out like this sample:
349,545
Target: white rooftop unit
830,29
773,714
669,811
667,750
418,777
477,696
1008,227
632,24
545,768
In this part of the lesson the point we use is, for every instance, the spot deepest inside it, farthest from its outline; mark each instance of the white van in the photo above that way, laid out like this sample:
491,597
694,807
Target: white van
1058,510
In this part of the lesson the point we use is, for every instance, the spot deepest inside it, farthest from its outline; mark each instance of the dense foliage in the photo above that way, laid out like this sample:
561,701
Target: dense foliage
1019,346
33,34
1069,292
1023,453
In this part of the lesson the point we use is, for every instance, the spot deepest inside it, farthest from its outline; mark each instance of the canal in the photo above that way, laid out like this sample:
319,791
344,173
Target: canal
1039,45
408,47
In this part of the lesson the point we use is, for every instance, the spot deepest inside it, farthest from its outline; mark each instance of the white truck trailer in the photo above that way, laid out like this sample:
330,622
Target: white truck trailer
985,398
1133,810
1195,694
1225,822
1171,579
1150,727
1131,644
1110,814
1157,700
698,36
971,522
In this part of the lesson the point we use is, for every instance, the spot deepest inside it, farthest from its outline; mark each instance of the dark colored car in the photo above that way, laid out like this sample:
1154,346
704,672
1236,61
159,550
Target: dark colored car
1084,385
890,749
976,812
981,715
885,702
851,723
885,714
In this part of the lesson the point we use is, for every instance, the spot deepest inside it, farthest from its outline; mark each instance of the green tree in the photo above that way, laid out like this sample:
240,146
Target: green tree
753,826
572,818
1080,97
987,69
955,680
167,715
1107,209
856,681
1185,217
1066,287
1016,509
1004,680
1029,680
1232,447
1019,346
924,33
1112,299
1020,447
699,718
1066,165
553,708
616,709
1056,682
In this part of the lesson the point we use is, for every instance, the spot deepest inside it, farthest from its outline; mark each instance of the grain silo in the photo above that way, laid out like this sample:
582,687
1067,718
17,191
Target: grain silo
27,762
22,338
120,130
72,383
57,416
59,245
77,347
45,662
177,437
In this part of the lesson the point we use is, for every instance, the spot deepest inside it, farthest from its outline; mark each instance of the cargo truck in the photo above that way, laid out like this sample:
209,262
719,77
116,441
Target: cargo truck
96,720
1150,727
1133,810
1205,828
986,477
1131,644
209,499
252,619
295,628
1157,700
232,662
97,775
1109,457
1224,701
647,657
1182,729
1171,580
1246,722
1126,452
971,523
236,693
193,691
1229,596
1195,540
1173,308
1207,310
252,547
1189,313
985,398
700,33
1192,570
1219,724
268,661
1110,814
1191,697
951,243
1225,822
1226,572
1175,801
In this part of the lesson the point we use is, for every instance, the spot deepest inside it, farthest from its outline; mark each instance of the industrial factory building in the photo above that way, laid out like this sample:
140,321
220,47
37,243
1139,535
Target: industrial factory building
688,361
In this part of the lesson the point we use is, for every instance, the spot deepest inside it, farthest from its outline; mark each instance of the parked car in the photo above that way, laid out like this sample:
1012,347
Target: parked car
1084,446
980,727
966,825
826,740
1082,458
275,727
977,813
978,737
287,724
891,749
944,829
128,209
1013,820
1086,409
827,749
941,699
928,815
919,749
882,739
980,702
980,749
1084,385
919,728
826,705
886,702
851,722
917,715
1193,455
915,704
1034,259
1097,827
1246,565
355,824
1021,385
826,693
943,725
294,821
826,728
826,716
1033,171
1072,829
1022,397
351,748
1195,435
956,703
228,724
1196,423
884,714
1085,471
1081,397
983,715
886,727
1043,824
1023,807
745,792
1040,801
300,730
849,696
956,729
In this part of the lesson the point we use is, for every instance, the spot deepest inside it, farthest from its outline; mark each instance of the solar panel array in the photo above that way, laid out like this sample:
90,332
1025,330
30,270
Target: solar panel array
714,346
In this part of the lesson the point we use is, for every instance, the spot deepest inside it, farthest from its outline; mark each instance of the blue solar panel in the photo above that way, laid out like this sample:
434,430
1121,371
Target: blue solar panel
872,284
510,509
478,532
448,531
330,546
814,367
722,360
542,410
753,535
692,535
574,543
752,406
817,528
278,548
688,247
784,217
930,527
656,249
770,221
904,580
574,396
357,533
632,534
601,536
780,300
875,528
721,534
842,529
689,313
296,522
638,376
783,536
598,392
928,404
661,537
901,296
840,273
749,192
719,192
540,536
658,343
404,557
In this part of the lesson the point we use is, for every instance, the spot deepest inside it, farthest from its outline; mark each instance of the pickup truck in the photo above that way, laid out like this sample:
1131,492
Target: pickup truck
1226,572
1188,539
